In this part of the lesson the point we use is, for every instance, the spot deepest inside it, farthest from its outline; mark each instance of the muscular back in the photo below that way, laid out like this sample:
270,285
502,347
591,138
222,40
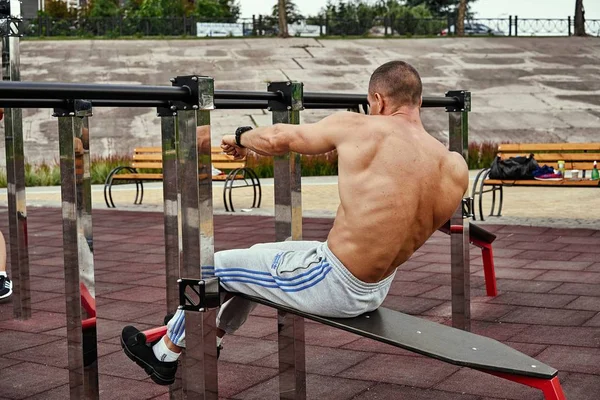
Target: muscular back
397,186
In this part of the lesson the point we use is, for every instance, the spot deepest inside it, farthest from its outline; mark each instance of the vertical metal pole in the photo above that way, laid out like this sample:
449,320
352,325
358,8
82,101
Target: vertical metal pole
459,241
510,25
206,89
200,372
288,226
171,219
516,25
15,176
85,244
569,24
78,260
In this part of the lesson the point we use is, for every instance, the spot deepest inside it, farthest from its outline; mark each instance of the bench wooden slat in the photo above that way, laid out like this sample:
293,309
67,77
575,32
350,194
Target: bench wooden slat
433,340
147,157
533,147
534,182
138,176
147,165
231,165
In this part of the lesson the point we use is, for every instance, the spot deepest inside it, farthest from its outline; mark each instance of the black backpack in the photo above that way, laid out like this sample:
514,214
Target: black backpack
513,168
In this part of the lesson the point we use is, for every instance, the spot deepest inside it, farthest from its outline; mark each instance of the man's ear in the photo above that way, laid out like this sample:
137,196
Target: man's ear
380,101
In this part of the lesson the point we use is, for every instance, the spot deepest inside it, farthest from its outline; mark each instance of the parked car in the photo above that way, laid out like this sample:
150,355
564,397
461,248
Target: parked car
474,29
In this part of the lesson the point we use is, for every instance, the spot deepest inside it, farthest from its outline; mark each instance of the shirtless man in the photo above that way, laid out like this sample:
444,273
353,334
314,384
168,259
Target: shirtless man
397,186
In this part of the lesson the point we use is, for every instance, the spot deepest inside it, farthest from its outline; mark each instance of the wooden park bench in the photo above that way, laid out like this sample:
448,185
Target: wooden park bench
235,174
577,156
411,333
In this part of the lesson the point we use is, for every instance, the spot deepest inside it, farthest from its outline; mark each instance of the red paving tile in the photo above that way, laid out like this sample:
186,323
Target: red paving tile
141,293
235,378
572,359
410,305
594,321
28,379
413,371
389,391
581,386
548,316
14,341
538,289
585,303
115,388
39,322
533,299
570,276
322,360
317,387
560,265
511,285
579,289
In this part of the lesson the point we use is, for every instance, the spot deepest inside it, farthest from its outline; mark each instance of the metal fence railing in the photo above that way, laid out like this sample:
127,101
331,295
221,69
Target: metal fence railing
44,26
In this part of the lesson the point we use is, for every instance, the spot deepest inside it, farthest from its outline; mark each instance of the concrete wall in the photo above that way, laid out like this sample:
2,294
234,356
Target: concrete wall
524,89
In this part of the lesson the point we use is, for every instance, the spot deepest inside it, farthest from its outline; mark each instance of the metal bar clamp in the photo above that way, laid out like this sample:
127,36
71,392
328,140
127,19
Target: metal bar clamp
199,295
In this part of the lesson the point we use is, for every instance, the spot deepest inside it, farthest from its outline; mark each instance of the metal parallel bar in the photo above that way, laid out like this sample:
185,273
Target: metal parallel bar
288,226
220,104
61,91
171,220
15,175
67,130
85,244
50,95
246,95
206,87
459,241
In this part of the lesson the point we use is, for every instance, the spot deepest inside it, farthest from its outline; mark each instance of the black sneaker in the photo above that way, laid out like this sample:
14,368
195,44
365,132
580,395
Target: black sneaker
134,345
5,287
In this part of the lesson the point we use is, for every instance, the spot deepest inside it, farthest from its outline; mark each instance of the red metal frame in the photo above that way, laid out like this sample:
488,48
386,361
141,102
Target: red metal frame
152,335
488,261
550,387
89,305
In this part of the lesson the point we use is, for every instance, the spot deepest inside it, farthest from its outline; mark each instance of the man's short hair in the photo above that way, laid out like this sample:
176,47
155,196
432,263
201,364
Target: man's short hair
399,82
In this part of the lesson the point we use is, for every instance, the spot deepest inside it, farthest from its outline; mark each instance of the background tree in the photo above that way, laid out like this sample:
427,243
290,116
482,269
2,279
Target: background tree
58,9
460,19
103,8
579,18
292,14
283,22
161,8
218,10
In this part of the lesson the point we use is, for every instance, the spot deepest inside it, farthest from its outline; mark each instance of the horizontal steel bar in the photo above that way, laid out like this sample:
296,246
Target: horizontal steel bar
246,95
220,104
157,96
61,91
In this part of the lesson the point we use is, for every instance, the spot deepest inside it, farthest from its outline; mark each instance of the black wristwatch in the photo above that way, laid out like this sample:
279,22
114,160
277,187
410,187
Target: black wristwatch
238,134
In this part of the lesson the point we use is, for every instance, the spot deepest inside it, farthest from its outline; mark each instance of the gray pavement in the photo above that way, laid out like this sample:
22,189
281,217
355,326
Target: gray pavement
524,89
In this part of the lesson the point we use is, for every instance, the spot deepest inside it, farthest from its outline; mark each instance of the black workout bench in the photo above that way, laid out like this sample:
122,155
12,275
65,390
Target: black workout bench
414,334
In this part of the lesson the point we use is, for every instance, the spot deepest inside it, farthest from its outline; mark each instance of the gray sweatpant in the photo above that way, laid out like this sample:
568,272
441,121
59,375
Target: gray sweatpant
304,275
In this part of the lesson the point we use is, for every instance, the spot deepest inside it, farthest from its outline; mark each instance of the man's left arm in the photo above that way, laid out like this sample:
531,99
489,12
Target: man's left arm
320,137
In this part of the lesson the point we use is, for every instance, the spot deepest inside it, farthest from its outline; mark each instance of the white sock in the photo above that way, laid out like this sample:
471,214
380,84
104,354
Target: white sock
3,273
163,353
219,340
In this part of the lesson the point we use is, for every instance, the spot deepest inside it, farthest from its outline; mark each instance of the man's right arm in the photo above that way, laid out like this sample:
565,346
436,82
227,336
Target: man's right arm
320,137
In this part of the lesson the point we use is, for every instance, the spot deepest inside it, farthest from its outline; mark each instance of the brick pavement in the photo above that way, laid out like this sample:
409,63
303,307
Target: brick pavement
548,307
